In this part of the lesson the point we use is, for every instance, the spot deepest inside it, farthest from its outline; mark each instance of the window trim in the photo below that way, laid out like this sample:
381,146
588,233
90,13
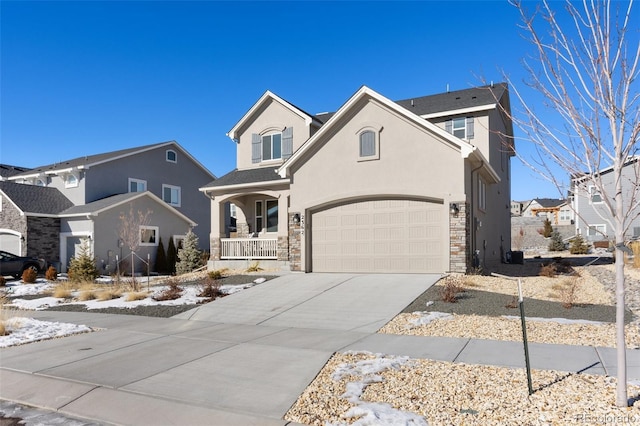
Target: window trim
156,235
258,214
175,154
179,192
266,214
262,215
137,181
74,184
593,192
270,135
597,232
376,142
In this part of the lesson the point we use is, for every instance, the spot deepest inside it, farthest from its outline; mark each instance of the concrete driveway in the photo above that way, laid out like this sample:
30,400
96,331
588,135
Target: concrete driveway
243,359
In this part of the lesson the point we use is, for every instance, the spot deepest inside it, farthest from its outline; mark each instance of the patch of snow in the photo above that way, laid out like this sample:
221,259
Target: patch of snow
429,303
18,288
368,371
427,317
27,330
259,280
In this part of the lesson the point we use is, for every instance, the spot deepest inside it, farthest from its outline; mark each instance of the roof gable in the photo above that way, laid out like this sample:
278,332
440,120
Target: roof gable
35,200
96,207
467,150
89,161
267,97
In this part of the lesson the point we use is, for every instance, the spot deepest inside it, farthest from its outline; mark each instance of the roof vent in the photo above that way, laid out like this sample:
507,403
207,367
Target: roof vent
457,97
412,102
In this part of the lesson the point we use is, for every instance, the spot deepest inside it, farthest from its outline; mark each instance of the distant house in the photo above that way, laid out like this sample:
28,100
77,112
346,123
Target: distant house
6,171
418,185
558,211
98,188
517,207
593,220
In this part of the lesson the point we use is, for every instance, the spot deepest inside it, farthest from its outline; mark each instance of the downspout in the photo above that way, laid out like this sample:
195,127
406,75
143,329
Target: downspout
472,215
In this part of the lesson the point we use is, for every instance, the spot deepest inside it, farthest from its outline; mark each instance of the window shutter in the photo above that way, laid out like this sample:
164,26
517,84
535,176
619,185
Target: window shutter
469,127
287,142
367,144
256,148
448,126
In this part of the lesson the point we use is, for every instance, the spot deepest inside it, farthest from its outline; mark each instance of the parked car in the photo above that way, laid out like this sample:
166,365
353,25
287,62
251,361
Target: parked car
10,264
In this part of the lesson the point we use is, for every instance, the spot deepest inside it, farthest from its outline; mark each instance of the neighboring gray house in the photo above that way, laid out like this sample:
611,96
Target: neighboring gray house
419,185
29,222
165,170
592,219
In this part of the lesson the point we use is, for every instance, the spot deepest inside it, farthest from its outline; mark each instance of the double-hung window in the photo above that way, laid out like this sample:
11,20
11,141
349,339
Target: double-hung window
171,195
461,127
137,185
272,147
266,209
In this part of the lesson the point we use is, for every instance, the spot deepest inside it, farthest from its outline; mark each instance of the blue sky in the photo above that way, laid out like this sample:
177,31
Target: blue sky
86,77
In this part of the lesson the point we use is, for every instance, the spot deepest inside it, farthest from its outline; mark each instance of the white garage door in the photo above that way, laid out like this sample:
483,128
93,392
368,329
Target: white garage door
399,236
10,243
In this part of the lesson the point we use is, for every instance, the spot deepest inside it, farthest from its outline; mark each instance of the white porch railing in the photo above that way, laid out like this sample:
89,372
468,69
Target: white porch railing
249,248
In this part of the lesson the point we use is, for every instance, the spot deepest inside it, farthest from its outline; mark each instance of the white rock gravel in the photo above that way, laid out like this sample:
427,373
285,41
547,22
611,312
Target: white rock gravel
418,391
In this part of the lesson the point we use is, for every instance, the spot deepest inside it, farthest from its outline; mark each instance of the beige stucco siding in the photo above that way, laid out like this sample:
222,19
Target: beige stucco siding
413,164
271,117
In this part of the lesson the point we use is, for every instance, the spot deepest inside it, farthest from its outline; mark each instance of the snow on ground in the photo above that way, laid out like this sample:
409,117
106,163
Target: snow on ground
26,330
368,372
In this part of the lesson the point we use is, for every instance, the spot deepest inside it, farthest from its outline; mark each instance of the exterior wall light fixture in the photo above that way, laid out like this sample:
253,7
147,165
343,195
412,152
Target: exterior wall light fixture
454,209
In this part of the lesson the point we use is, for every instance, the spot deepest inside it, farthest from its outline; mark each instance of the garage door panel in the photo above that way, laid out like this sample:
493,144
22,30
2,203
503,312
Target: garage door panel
379,235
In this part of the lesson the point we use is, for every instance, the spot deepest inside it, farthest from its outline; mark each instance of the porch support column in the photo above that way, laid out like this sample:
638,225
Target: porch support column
217,229
283,228
459,237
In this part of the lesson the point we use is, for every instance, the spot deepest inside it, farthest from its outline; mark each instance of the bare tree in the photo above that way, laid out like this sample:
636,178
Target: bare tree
585,71
130,230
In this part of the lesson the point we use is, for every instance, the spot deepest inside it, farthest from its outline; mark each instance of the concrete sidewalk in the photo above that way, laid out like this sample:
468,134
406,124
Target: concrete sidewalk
215,368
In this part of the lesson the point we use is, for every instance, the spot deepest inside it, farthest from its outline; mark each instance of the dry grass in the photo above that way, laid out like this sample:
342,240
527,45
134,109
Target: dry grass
63,290
108,293
132,296
635,246
7,314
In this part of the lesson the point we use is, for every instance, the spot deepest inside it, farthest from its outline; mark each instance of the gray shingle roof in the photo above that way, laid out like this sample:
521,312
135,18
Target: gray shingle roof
549,202
451,101
91,159
35,199
7,170
99,204
239,177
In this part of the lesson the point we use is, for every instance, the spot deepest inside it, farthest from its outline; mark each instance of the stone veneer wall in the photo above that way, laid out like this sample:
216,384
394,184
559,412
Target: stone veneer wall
10,218
43,238
460,236
295,237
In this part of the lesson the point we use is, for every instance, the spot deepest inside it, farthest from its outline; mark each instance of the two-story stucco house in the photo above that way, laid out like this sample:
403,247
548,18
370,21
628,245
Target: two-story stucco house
162,179
592,218
418,185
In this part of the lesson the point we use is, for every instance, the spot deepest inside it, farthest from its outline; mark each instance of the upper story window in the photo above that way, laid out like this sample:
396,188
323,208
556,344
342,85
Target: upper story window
70,181
368,144
137,185
594,195
461,127
172,156
272,146
171,195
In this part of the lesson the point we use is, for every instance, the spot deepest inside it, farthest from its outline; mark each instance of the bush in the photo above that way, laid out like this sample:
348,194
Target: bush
450,289
556,243
189,257
210,289
161,259
578,246
171,257
51,274
215,274
29,275
548,270
83,266
174,291
3,281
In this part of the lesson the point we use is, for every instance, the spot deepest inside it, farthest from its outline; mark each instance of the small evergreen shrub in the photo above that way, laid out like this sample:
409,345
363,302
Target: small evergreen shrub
83,266
556,243
161,259
171,257
29,276
216,274
51,274
579,246
189,256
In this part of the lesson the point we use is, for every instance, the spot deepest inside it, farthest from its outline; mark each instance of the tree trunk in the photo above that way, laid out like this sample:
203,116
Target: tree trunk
621,352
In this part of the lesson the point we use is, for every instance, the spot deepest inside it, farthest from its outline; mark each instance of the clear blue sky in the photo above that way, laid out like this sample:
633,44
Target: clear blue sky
86,77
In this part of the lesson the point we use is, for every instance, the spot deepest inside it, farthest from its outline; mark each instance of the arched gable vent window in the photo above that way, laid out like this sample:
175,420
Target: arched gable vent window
172,156
368,144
